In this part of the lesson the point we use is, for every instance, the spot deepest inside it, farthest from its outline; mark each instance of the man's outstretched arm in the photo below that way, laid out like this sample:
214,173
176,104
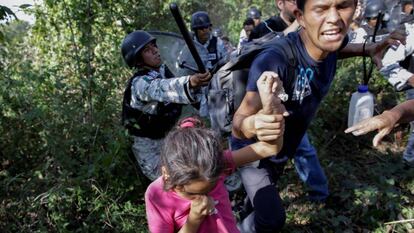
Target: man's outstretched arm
384,122
373,50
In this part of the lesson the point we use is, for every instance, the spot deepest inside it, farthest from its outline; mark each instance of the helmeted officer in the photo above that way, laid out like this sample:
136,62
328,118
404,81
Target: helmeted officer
398,69
372,10
210,47
255,14
212,50
153,99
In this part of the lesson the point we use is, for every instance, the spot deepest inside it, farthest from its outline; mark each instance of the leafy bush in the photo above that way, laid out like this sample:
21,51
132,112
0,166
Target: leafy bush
66,164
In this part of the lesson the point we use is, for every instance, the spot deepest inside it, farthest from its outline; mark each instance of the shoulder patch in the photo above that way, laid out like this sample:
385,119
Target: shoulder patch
150,76
153,73
147,78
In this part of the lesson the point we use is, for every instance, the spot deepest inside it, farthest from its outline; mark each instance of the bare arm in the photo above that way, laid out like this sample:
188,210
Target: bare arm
353,50
268,123
384,122
256,151
373,50
243,120
405,111
249,122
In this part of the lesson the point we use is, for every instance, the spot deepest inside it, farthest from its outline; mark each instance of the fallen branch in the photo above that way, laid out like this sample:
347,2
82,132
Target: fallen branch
399,221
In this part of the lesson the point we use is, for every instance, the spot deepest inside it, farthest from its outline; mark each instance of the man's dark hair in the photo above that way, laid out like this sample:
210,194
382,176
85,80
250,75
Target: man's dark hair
406,2
248,21
301,4
225,38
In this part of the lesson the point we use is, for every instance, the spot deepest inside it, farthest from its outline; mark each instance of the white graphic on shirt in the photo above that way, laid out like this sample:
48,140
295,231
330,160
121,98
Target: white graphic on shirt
302,84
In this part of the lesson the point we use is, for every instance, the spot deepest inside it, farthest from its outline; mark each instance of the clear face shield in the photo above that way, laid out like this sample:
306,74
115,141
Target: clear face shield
174,52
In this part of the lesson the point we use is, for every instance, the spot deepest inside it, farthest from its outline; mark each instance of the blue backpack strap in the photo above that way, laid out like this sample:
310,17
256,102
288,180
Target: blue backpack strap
289,50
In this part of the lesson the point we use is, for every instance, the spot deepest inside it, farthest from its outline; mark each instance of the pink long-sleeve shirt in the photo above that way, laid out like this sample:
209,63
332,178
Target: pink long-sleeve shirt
167,212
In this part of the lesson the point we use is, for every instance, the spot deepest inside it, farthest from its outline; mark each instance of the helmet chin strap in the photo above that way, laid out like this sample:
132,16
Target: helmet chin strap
196,35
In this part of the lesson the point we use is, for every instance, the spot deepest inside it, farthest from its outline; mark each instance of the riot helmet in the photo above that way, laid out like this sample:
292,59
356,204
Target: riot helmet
200,20
217,32
133,44
373,8
254,13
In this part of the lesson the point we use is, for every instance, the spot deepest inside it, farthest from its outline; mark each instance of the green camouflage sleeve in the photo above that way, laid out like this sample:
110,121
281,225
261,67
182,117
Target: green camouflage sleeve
173,90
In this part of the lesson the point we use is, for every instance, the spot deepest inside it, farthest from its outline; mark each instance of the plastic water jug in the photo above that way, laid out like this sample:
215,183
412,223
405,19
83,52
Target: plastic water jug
361,106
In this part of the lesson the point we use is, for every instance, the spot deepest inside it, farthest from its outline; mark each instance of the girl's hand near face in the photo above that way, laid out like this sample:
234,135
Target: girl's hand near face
201,206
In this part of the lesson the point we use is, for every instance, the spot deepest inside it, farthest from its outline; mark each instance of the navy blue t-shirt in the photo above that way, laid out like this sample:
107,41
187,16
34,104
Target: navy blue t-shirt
313,81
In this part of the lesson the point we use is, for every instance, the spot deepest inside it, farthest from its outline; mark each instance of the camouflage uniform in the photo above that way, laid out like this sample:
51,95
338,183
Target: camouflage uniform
398,77
209,56
361,34
147,92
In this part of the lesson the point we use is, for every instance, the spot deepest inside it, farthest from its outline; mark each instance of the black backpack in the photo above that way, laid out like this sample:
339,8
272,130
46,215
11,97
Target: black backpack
228,85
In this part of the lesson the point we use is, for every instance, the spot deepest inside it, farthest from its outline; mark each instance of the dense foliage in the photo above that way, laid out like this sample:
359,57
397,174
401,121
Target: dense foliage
65,161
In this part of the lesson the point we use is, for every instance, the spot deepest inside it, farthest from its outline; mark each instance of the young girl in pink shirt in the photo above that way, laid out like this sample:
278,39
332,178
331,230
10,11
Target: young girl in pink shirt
190,195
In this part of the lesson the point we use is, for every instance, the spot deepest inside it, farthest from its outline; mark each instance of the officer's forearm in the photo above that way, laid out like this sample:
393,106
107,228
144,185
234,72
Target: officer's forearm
174,90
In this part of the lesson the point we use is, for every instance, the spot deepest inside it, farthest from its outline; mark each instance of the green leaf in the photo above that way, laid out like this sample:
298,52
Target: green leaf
390,181
6,12
24,6
1,37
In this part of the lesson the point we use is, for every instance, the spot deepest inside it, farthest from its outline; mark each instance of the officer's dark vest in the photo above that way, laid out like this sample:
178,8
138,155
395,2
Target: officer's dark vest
147,125
408,63
212,51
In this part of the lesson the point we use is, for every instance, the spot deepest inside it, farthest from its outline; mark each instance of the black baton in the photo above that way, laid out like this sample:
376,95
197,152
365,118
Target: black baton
187,38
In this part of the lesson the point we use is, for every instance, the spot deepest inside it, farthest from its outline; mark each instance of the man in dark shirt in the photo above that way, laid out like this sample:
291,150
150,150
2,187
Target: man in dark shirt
306,160
276,23
320,42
